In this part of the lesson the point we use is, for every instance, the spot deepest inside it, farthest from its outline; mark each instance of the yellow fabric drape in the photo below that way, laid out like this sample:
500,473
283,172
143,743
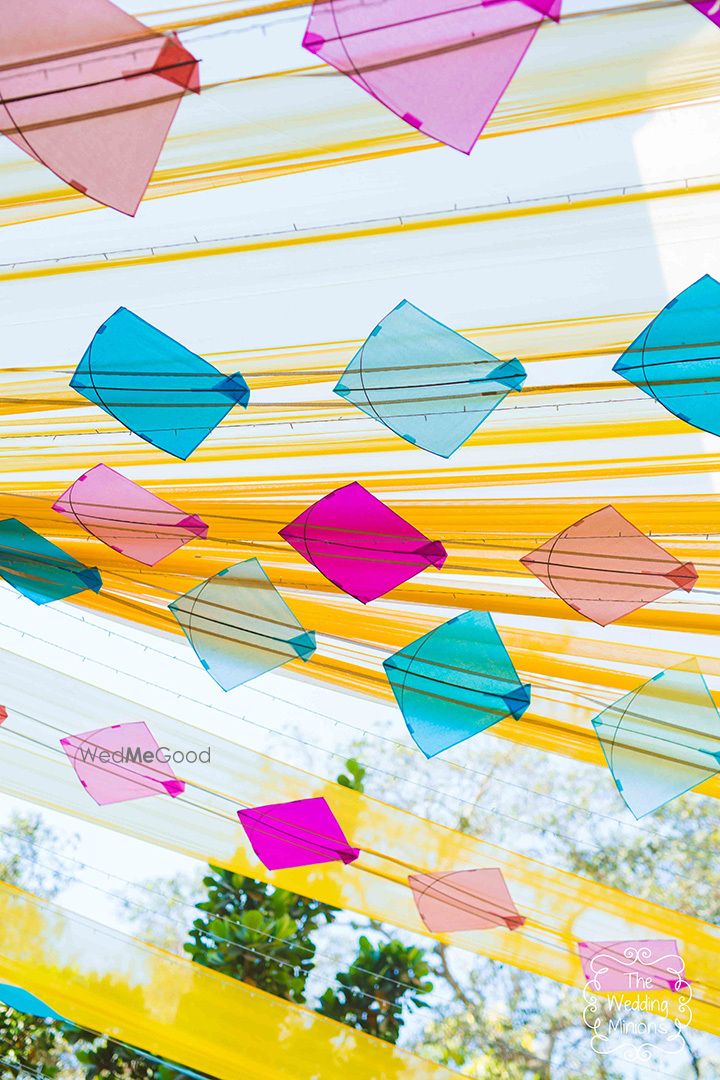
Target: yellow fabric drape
561,908
174,1009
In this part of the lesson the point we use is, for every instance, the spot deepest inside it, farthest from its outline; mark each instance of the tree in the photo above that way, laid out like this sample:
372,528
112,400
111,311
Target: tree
31,860
373,990
256,933
264,936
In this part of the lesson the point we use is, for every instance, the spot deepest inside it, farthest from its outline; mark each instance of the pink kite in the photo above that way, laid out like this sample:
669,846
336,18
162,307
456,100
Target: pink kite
300,833
360,544
128,518
122,762
90,92
633,966
440,65
604,568
464,900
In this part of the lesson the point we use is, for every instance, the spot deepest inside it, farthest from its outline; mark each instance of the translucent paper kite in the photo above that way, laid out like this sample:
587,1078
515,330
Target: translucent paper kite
709,8
123,762
662,739
90,92
633,965
128,518
153,385
440,65
455,681
464,900
40,570
361,545
604,568
299,833
428,384
239,625
25,1002
676,359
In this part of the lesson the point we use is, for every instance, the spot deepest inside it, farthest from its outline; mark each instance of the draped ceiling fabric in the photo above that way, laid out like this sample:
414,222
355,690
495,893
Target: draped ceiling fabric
287,214
103,980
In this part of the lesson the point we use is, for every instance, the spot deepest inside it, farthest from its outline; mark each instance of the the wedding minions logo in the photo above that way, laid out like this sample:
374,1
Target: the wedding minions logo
645,1003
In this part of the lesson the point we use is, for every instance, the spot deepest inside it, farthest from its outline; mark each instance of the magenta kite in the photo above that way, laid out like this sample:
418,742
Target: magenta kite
440,66
360,544
91,93
299,833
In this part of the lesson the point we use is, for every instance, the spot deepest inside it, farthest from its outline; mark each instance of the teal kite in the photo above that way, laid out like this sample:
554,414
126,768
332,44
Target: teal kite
240,626
425,382
662,739
676,359
40,570
153,385
455,681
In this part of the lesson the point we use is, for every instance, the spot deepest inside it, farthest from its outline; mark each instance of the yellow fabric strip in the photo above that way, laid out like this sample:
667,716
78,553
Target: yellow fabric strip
560,908
174,1009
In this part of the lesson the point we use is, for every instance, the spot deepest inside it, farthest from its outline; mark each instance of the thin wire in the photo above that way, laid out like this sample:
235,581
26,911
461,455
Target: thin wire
412,750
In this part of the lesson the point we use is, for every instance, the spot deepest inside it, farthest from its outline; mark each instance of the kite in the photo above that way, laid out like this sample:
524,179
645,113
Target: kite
621,965
239,625
128,518
300,833
709,8
603,567
662,739
123,762
360,544
676,359
455,681
464,900
425,382
154,386
91,93
14,997
40,570
440,66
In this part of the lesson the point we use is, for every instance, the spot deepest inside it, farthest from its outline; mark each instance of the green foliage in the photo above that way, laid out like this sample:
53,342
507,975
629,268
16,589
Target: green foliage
27,1042
356,777
372,992
254,932
30,860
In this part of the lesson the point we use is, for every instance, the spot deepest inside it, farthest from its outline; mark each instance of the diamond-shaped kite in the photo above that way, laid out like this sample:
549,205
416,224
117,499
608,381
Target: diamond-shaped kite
300,833
90,92
604,567
455,681
239,625
127,517
464,900
440,65
120,763
39,569
611,966
360,544
676,359
153,385
709,8
662,739
425,382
